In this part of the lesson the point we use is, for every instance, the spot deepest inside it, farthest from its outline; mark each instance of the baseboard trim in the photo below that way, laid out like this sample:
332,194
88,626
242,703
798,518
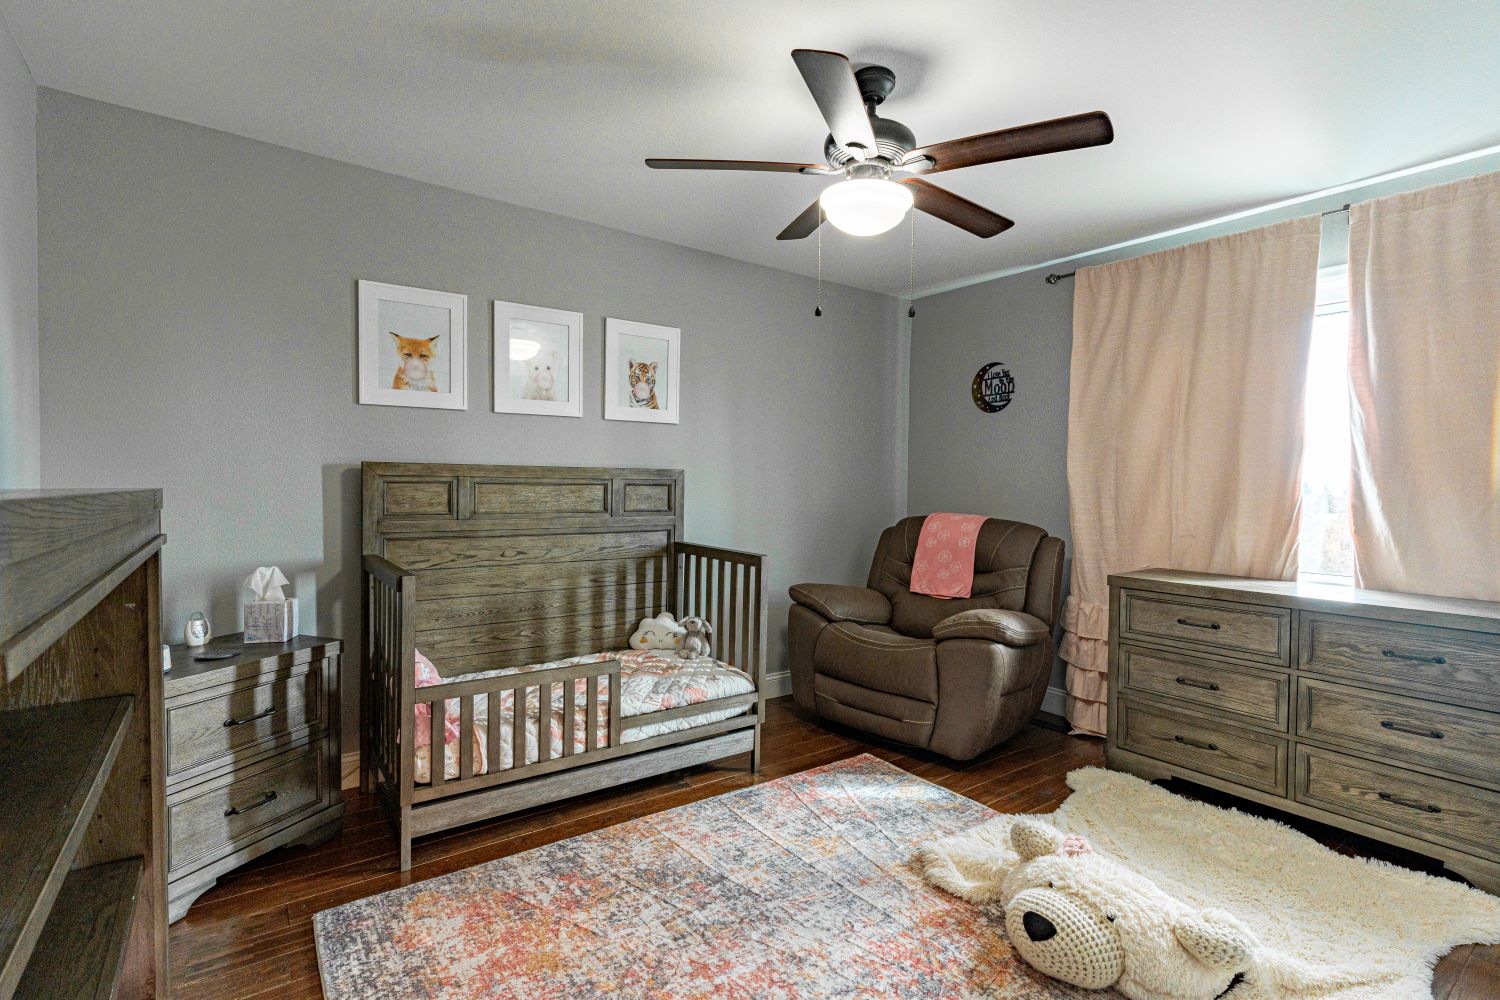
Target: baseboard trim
778,685
1056,701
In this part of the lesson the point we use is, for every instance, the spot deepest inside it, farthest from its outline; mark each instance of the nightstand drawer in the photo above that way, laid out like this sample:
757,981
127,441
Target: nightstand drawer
1457,740
1463,664
228,722
1258,696
1430,809
222,815
1204,745
1241,630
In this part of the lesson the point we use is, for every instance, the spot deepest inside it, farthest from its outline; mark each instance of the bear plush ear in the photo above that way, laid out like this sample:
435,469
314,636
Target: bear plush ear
1033,840
1216,939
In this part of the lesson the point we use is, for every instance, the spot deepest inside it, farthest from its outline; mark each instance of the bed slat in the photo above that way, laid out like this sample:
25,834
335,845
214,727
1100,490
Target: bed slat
466,737
543,722
518,727
437,752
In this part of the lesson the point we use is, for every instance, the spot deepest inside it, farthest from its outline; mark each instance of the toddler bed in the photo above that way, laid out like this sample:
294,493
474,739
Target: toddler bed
650,682
491,586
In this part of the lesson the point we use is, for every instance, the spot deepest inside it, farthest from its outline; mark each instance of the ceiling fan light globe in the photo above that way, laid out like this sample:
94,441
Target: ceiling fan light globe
866,206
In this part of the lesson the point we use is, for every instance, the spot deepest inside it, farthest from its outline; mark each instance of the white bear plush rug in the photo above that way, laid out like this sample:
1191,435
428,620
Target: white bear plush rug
1319,925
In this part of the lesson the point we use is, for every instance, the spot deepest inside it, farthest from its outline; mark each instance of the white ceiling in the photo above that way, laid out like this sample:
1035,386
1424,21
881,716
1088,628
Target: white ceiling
1217,106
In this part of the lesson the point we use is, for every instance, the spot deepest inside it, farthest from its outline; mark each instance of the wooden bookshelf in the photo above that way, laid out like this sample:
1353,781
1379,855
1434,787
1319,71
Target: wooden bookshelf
82,864
45,808
82,949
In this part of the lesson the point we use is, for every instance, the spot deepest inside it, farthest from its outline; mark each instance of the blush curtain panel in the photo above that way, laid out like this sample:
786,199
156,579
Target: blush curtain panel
1424,368
1184,424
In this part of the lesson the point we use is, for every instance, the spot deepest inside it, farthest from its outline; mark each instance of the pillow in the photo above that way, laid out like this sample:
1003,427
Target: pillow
427,676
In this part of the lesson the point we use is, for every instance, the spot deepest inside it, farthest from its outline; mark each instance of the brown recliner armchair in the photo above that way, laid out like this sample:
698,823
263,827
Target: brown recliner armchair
953,676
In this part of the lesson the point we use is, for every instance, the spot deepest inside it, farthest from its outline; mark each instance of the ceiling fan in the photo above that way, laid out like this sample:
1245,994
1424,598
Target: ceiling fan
868,151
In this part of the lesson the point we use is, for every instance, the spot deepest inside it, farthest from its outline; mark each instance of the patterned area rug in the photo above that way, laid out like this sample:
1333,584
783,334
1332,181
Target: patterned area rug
801,887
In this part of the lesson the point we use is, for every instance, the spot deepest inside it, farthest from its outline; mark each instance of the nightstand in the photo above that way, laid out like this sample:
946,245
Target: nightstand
252,745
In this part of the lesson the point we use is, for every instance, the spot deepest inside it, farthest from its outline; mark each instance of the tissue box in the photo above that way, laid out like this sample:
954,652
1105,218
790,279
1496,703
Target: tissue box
271,621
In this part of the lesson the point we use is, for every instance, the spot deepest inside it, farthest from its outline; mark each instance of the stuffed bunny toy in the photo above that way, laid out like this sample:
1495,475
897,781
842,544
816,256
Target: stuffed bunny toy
1079,917
695,638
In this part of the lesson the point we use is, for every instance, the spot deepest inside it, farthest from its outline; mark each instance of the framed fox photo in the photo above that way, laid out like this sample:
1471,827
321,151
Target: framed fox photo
641,371
413,347
538,366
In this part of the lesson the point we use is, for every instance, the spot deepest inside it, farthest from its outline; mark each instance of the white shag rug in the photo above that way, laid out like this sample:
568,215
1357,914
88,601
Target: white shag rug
1372,930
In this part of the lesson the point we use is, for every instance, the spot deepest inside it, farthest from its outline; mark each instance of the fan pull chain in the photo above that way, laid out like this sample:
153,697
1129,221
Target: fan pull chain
911,271
818,306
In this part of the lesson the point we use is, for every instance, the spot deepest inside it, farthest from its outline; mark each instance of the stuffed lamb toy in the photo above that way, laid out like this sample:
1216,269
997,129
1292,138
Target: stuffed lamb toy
659,633
695,638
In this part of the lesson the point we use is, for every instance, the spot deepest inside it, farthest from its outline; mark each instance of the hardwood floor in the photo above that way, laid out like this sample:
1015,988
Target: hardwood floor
251,935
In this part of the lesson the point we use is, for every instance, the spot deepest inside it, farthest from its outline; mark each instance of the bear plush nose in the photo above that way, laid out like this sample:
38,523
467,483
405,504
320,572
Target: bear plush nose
1038,927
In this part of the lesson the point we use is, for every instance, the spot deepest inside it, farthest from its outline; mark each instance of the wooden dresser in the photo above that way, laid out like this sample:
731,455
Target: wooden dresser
82,879
1377,713
252,757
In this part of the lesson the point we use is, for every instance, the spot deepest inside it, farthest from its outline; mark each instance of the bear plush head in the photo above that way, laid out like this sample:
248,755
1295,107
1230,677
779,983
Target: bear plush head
1079,917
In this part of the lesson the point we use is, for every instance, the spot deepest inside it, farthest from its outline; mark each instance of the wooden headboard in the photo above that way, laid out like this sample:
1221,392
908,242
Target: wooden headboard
520,564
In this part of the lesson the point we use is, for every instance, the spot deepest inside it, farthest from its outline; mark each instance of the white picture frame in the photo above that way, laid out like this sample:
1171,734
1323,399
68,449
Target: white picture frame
392,314
626,341
523,382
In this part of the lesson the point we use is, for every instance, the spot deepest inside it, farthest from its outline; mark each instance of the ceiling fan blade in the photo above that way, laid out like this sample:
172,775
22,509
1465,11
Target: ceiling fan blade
831,79
803,225
961,212
1055,136
658,163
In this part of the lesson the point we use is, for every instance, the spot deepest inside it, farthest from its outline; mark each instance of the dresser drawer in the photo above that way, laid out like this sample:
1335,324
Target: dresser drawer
1464,663
1242,630
1258,696
1235,755
208,820
1427,808
233,722
1420,732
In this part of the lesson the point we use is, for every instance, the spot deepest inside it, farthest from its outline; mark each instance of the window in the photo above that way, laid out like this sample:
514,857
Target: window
1326,547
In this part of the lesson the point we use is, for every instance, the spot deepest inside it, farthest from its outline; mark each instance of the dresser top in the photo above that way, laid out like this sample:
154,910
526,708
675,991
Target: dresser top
1449,612
190,674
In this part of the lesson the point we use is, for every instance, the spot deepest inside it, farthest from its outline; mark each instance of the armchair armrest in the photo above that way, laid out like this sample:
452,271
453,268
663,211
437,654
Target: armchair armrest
1009,628
843,604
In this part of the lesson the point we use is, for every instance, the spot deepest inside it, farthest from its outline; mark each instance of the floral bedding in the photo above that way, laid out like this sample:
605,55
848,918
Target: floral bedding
649,682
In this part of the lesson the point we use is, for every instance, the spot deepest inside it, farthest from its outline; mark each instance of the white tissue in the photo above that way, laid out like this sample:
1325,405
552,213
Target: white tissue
266,583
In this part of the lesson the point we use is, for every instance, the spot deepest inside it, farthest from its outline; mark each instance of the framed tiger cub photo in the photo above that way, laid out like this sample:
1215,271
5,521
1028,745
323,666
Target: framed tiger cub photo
641,371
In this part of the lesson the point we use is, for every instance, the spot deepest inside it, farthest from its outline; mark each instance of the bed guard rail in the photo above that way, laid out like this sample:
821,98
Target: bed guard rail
728,589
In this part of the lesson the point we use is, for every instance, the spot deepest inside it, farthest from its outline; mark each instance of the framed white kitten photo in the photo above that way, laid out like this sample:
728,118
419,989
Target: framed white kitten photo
538,360
642,377
413,347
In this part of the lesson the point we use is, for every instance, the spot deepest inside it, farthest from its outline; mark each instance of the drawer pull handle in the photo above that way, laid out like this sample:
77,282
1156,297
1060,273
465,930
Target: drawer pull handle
1396,727
1189,741
1408,803
1392,654
231,723
265,799
1205,685
1192,624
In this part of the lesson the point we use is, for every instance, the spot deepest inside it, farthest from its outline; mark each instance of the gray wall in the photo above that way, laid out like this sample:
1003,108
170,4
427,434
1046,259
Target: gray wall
1014,463
198,334
20,421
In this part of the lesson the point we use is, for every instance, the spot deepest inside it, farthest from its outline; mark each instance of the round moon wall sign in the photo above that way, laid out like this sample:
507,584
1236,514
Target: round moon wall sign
993,387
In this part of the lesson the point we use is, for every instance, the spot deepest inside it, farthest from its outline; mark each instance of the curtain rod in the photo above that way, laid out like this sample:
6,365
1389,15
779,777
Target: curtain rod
1053,279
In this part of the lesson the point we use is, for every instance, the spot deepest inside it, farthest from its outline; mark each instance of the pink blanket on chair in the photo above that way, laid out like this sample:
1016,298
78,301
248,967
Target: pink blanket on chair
944,563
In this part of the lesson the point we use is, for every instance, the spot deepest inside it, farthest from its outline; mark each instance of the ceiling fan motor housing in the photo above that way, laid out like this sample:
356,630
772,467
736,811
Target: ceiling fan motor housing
892,139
